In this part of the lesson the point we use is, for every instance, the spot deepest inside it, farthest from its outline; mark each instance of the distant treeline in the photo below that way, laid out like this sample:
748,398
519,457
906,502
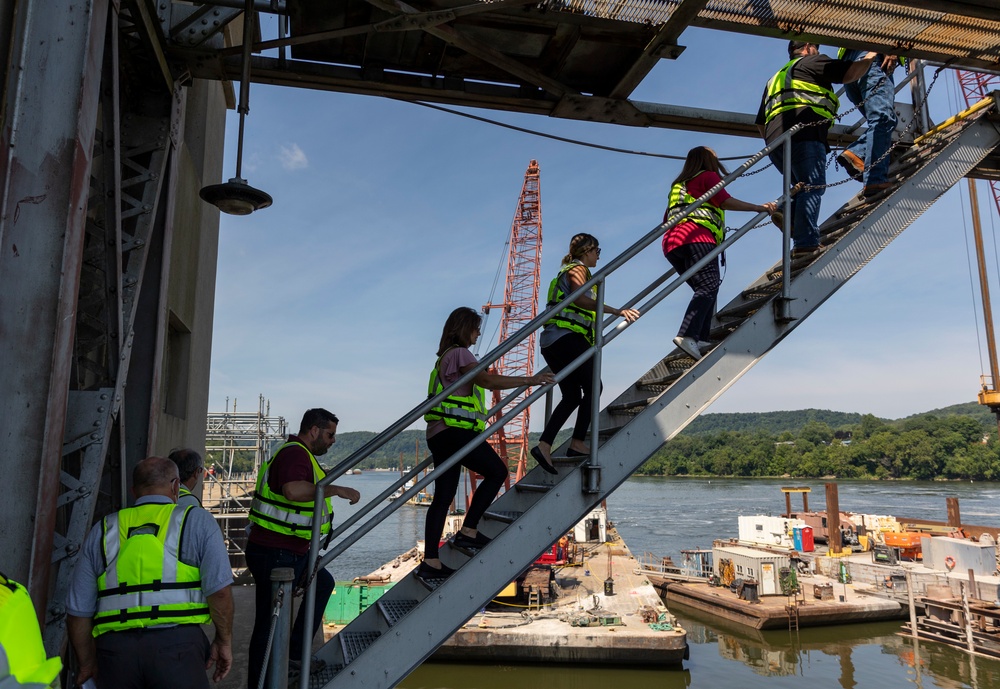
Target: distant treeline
809,443
923,447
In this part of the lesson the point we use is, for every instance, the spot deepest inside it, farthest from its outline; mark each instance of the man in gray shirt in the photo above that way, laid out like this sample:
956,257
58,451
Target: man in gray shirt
190,468
148,577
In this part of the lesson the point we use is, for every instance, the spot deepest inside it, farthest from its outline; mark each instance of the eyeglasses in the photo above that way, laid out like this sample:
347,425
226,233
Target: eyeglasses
597,249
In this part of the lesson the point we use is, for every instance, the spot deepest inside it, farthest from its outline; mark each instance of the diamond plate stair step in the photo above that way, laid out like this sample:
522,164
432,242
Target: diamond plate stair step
354,644
502,516
393,610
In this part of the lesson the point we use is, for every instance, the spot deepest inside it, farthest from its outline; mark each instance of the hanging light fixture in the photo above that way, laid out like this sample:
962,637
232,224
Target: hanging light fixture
236,197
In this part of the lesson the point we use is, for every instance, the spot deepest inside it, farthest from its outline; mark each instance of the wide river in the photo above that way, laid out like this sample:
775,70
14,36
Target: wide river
663,516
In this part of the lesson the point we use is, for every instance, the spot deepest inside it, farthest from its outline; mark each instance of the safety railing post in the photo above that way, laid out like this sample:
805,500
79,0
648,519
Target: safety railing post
592,469
919,89
782,305
309,602
281,597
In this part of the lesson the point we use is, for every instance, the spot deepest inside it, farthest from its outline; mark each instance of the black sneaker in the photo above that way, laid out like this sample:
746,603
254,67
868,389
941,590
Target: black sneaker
432,576
469,544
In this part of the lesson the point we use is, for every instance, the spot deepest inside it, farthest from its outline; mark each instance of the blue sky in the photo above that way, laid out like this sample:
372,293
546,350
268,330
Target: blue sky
387,215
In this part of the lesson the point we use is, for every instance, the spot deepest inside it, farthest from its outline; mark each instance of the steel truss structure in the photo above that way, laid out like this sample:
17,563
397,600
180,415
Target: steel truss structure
93,126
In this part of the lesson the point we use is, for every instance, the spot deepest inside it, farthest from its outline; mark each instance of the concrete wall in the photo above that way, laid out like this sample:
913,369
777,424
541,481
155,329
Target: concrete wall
180,414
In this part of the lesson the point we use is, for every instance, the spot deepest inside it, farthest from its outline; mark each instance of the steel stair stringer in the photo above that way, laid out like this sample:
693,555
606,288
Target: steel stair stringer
385,642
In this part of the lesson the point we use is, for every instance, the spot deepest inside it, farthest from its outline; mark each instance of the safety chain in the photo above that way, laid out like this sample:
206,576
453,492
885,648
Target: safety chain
892,147
270,636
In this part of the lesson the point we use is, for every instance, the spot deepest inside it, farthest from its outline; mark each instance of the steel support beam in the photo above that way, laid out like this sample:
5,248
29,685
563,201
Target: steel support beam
46,145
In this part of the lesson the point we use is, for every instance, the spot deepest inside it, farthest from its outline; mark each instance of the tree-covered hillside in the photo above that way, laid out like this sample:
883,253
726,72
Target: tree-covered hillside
943,443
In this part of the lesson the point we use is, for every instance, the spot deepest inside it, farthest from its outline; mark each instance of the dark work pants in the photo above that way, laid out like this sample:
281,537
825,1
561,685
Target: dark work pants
576,388
168,658
261,561
483,460
697,321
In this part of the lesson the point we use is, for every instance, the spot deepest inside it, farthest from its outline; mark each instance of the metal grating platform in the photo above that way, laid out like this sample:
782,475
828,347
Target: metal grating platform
393,610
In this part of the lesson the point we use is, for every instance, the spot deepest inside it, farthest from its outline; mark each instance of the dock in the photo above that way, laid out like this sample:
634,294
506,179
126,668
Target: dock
580,621
837,604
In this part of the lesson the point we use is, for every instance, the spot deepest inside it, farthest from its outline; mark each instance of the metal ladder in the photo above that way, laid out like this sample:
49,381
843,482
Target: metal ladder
405,626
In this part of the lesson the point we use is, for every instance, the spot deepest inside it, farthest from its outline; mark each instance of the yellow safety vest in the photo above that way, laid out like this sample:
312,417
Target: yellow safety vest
144,583
572,317
706,215
785,93
456,411
275,512
184,492
22,656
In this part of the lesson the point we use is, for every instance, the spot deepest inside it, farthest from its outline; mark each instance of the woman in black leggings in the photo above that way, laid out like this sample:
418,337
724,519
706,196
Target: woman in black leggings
566,336
453,424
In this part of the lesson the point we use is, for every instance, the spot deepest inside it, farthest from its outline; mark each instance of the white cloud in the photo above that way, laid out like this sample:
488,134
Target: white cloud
293,158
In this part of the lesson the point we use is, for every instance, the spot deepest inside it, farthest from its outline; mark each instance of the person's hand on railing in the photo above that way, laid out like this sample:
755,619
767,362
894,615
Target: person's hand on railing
345,492
545,378
630,315
770,207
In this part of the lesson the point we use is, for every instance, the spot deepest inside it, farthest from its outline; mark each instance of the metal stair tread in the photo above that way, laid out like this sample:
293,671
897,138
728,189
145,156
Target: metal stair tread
354,644
534,487
393,610
506,516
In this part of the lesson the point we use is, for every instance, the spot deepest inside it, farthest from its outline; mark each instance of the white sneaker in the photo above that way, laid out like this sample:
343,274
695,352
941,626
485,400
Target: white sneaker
688,346
703,345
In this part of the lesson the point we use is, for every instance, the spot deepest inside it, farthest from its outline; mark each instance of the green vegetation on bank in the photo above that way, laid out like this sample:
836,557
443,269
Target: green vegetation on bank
957,442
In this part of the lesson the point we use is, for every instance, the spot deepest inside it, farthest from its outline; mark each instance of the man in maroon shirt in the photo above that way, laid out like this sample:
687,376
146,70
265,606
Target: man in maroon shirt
290,476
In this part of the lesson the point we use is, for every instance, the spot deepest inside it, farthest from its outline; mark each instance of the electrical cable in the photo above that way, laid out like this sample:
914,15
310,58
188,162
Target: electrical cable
564,139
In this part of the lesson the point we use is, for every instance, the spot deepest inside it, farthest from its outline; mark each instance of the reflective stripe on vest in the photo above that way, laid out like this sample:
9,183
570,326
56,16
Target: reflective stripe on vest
456,411
572,317
275,512
785,93
23,664
708,216
145,583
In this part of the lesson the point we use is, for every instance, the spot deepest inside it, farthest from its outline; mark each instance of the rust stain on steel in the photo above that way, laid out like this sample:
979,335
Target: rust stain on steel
27,199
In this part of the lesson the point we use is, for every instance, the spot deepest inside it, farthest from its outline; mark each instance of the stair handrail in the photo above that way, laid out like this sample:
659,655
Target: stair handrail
597,279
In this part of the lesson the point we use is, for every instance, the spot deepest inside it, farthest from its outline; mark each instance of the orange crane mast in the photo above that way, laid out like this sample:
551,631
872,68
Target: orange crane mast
520,305
975,87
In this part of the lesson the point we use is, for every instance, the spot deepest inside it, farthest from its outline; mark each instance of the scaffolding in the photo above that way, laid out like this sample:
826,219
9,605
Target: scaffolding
227,493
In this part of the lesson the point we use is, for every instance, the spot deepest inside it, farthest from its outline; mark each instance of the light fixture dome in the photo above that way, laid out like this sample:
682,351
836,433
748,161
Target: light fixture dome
236,197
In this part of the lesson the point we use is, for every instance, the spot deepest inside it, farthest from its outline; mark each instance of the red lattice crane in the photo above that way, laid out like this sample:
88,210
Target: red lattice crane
520,305
975,87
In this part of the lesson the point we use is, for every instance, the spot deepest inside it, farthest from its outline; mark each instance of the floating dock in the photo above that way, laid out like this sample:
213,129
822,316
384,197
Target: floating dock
837,604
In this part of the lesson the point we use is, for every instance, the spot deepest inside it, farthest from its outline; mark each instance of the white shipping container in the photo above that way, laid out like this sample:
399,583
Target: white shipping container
768,530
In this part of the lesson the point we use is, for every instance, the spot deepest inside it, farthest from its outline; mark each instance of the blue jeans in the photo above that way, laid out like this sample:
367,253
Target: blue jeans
877,92
808,166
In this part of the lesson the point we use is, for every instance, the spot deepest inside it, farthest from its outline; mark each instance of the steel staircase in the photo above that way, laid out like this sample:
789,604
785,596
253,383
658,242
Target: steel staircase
412,619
